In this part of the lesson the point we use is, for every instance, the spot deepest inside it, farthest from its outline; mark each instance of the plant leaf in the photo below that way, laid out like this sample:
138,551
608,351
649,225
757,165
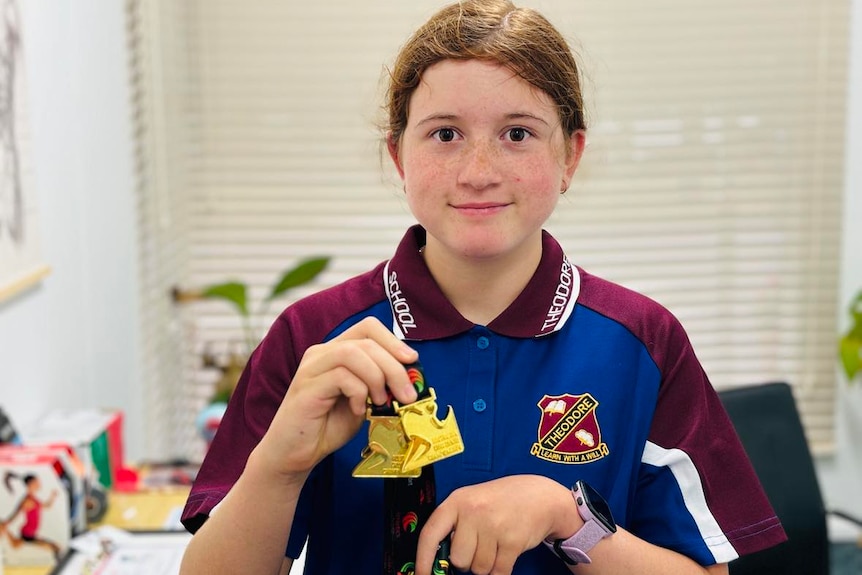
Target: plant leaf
233,292
851,356
855,311
302,273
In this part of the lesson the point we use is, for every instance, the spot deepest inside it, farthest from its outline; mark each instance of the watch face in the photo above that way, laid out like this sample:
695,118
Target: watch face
598,506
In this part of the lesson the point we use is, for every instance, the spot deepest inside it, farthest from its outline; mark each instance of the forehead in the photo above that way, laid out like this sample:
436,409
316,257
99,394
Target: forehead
466,88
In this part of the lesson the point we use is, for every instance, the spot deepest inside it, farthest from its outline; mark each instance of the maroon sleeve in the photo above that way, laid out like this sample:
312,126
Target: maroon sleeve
689,417
251,408
264,383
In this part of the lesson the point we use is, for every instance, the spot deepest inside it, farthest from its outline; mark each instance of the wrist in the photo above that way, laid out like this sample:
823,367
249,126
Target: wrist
597,524
260,469
567,521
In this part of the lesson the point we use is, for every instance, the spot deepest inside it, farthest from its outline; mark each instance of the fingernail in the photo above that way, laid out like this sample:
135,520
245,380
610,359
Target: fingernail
411,392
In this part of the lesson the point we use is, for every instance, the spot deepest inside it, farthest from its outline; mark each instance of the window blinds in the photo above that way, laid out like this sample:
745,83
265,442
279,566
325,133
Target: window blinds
156,74
711,182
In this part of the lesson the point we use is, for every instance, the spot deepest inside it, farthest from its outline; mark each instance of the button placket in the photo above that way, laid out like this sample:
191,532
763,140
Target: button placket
481,383
482,342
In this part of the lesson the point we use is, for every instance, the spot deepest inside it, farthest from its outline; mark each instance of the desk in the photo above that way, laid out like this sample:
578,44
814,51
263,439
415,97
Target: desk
137,510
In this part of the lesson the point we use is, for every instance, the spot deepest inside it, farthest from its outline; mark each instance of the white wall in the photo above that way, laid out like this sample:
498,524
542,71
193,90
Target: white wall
72,341
841,475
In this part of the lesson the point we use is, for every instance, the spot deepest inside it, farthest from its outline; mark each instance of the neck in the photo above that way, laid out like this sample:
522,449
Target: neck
481,289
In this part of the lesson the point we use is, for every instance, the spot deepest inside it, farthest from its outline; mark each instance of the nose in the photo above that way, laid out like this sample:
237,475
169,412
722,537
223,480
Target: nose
479,165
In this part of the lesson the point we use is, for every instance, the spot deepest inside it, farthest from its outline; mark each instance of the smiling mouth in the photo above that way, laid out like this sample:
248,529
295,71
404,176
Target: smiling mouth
480,209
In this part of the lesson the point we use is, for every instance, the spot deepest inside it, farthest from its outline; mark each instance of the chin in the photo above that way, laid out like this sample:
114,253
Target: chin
485,251
482,242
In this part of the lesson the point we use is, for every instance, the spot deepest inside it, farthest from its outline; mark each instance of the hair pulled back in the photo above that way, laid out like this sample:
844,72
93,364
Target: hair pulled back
520,39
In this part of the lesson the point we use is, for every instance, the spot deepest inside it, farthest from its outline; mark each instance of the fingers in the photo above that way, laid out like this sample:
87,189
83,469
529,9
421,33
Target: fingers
351,384
439,526
326,401
490,528
371,328
482,553
483,557
377,357
470,550
353,369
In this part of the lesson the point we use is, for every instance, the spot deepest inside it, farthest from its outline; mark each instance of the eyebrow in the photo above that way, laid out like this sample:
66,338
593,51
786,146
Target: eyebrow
511,116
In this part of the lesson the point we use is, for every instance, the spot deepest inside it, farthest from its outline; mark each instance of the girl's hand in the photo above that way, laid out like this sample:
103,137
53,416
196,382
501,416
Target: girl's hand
493,523
326,401
51,498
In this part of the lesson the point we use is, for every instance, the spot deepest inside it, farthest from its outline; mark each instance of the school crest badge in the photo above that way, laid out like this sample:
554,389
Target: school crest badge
569,430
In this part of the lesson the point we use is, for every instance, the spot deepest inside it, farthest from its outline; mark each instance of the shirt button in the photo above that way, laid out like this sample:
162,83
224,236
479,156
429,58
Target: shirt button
479,405
482,342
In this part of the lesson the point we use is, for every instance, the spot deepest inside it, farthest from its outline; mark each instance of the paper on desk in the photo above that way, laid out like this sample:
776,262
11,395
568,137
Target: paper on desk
92,543
130,553
143,561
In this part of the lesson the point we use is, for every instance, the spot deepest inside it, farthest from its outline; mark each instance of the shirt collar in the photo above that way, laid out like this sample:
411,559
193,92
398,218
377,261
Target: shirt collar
420,311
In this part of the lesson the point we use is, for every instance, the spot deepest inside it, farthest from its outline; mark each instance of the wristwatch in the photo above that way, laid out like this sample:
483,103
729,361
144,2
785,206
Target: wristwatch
598,524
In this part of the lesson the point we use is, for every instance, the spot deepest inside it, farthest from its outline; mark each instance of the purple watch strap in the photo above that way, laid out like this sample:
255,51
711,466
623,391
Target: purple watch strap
576,546
574,549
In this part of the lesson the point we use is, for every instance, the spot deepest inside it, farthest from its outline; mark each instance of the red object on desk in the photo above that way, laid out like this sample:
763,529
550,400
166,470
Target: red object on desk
125,479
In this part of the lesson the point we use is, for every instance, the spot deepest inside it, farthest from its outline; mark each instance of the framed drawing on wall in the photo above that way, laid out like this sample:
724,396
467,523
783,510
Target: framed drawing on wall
20,263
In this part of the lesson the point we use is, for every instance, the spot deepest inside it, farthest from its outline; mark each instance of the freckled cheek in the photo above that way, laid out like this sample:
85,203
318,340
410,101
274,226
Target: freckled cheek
419,173
536,177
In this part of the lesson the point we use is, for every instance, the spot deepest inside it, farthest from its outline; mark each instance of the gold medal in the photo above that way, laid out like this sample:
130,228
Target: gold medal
401,445
404,439
386,449
429,438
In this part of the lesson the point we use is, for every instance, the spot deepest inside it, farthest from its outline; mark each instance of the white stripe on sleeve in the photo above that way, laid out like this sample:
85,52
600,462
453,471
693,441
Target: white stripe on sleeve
688,479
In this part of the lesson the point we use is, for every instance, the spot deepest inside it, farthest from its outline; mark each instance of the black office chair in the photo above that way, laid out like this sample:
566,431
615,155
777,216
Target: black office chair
768,423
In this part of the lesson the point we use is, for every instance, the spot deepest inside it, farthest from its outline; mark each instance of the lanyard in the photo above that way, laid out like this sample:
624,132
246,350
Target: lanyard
408,503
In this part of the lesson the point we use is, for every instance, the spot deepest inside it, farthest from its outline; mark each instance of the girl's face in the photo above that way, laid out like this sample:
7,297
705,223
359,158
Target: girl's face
483,159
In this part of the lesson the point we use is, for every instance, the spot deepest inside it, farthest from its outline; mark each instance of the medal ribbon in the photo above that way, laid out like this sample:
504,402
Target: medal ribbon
408,503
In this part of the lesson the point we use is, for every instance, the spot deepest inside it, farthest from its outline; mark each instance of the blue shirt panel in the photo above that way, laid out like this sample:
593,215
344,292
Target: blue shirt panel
660,488
495,383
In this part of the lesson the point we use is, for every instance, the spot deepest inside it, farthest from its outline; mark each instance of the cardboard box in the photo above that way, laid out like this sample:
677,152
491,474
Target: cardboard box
69,470
96,435
35,522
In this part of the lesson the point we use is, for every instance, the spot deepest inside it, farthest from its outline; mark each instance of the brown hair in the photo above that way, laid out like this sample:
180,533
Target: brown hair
493,30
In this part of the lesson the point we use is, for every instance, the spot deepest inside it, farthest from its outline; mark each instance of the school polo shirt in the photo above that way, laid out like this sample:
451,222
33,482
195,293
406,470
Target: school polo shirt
578,379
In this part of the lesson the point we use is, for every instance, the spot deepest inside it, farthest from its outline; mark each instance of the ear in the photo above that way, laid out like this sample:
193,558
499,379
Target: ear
392,146
575,149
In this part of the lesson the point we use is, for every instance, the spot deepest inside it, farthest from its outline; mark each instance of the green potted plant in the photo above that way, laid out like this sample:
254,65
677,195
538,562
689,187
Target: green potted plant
236,293
850,343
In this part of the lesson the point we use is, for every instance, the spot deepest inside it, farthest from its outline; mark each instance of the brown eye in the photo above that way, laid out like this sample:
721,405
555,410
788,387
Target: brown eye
517,134
446,134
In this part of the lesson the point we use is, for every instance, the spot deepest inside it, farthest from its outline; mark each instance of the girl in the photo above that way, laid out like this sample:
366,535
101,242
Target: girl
587,421
31,507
